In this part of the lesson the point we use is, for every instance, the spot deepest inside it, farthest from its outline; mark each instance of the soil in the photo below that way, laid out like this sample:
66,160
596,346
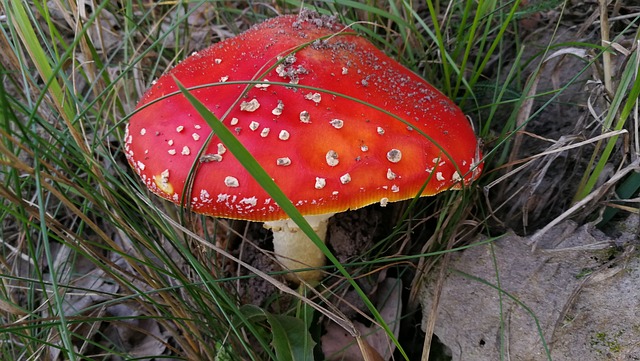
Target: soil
351,237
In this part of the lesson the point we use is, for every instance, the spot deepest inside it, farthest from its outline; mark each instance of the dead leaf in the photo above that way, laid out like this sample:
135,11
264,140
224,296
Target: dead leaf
578,292
374,344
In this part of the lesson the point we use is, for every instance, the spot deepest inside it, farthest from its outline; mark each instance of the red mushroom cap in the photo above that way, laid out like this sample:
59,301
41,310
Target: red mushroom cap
326,152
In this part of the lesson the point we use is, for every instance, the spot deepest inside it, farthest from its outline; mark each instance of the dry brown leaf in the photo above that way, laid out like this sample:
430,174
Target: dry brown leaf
373,344
579,289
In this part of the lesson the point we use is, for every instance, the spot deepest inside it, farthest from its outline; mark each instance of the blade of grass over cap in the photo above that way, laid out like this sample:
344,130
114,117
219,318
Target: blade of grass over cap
260,175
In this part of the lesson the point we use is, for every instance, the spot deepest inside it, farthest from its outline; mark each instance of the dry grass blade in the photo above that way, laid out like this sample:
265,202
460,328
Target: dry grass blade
559,146
605,40
594,196
368,353
432,314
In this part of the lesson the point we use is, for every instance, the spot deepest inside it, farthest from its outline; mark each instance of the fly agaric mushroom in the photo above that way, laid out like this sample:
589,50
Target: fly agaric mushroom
327,152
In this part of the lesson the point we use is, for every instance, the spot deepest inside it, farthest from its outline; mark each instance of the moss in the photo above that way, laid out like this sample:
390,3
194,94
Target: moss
607,254
607,344
584,272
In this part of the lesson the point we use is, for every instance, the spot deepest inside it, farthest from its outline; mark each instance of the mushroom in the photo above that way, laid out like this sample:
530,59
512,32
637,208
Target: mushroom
335,122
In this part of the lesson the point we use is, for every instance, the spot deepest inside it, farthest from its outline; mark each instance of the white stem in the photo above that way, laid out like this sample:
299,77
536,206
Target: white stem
294,250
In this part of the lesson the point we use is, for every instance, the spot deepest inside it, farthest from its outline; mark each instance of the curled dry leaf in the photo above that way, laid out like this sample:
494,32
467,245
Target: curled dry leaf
374,343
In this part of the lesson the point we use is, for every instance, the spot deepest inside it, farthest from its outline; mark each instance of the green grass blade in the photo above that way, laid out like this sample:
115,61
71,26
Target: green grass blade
622,98
263,178
25,30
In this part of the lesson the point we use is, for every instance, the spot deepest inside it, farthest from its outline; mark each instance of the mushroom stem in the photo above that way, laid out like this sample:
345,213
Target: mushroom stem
294,250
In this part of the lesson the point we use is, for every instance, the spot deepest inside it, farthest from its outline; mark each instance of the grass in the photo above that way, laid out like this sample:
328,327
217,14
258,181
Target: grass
93,265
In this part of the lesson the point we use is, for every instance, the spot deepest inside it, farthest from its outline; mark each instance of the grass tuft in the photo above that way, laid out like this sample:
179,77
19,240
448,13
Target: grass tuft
94,267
